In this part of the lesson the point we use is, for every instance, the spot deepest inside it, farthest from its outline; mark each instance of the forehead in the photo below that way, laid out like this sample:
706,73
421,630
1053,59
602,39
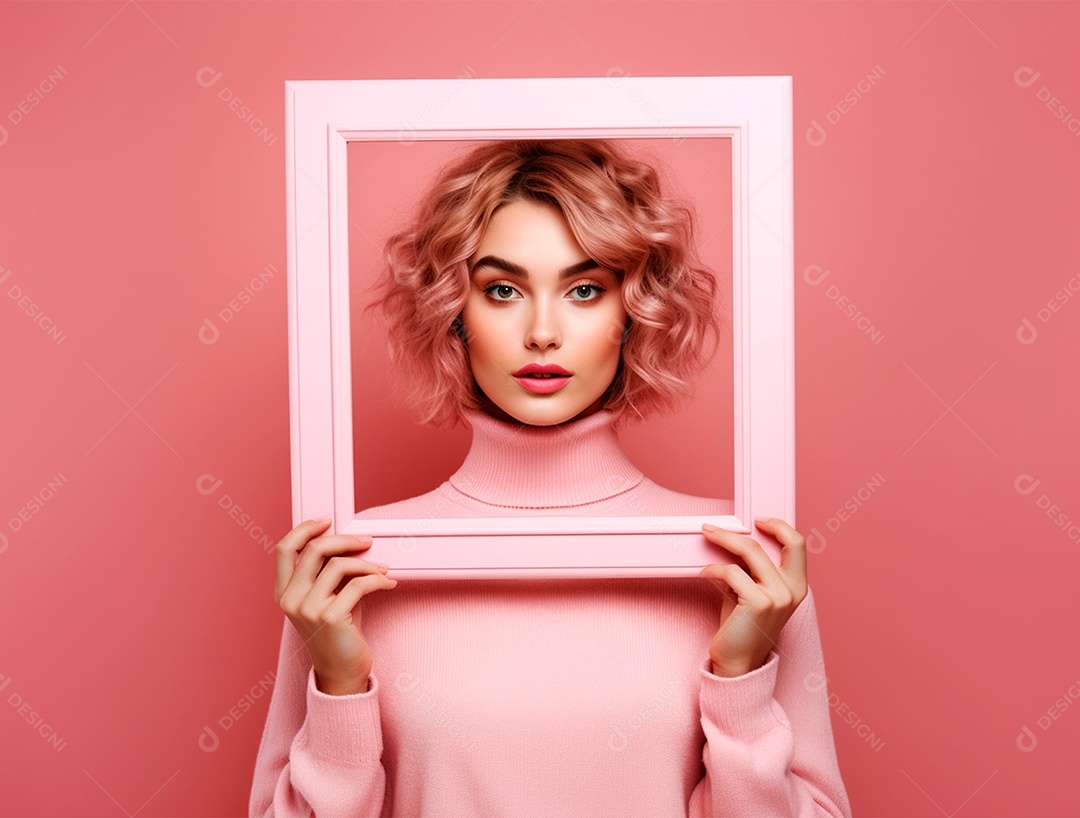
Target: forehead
531,235
527,224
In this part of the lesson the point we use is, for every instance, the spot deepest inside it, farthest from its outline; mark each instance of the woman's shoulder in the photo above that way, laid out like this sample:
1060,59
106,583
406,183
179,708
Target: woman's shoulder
651,499
442,501
413,508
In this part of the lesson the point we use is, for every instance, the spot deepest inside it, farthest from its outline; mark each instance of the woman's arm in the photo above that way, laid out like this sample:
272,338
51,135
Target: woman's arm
320,754
769,746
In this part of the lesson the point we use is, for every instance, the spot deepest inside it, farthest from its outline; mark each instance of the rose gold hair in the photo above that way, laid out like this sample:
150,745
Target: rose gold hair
614,207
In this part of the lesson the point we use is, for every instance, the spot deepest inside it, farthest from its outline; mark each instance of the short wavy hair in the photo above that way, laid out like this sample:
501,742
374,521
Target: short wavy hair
614,207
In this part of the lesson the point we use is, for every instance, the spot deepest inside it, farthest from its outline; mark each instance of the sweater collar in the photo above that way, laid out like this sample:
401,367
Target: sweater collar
515,464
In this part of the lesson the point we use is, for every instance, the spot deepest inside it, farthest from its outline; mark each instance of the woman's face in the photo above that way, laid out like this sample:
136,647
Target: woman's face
537,298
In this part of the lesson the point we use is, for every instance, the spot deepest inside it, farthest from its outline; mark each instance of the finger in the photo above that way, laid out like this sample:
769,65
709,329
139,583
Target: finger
739,582
356,588
792,553
336,569
731,599
287,550
313,557
760,563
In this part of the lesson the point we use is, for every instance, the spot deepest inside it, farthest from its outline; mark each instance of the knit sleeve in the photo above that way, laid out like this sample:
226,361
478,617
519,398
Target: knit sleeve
320,754
769,746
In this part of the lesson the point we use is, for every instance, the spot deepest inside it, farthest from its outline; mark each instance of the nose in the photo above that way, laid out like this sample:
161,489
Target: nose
543,331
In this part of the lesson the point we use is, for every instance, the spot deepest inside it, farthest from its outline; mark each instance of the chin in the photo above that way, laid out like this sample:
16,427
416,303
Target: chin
547,414
543,417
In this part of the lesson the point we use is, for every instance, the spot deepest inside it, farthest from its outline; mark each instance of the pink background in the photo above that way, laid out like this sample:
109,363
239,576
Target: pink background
937,152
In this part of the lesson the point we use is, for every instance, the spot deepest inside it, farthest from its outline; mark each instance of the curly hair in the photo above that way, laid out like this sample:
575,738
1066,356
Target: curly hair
615,209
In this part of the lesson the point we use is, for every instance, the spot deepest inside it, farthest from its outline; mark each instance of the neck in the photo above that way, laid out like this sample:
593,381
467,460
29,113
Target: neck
511,463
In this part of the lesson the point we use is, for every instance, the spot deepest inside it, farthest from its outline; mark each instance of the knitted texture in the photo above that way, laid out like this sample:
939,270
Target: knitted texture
551,697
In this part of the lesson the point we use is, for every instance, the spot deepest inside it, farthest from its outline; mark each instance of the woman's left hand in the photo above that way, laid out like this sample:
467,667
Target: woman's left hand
755,608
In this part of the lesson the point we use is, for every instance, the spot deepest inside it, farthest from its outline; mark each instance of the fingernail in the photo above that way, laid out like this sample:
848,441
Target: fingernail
762,519
710,527
322,520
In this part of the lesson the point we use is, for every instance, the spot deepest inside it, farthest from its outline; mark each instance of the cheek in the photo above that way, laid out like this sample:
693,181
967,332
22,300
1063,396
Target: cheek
483,346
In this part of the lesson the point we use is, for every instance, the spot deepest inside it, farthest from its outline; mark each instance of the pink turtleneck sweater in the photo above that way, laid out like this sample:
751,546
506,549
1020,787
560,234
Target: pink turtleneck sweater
569,696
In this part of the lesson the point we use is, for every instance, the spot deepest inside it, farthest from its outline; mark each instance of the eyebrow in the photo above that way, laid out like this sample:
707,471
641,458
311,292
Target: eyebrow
519,271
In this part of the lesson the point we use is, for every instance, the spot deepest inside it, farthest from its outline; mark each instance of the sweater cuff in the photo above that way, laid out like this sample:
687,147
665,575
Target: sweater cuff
742,706
343,728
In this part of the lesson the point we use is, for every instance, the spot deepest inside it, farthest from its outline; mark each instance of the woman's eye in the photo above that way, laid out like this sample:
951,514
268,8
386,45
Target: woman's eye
582,292
501,289
587,287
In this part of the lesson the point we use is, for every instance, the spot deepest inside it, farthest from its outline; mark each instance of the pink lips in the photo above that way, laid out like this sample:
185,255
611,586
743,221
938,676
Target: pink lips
542,379
543,386
535,367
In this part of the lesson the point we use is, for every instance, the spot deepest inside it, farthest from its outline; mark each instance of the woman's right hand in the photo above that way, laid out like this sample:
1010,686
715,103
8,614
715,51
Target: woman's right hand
328,617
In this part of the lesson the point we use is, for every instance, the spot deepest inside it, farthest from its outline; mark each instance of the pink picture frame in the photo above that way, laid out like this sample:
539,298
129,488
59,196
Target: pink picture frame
323,116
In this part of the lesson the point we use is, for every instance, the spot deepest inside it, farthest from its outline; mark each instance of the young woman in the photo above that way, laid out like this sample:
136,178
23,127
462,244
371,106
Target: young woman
546,291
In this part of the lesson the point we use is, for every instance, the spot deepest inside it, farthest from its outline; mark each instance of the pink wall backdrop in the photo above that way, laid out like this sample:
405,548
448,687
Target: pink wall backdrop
145,455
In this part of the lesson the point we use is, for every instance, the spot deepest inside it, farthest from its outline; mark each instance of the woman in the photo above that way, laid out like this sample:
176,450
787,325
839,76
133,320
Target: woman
545,292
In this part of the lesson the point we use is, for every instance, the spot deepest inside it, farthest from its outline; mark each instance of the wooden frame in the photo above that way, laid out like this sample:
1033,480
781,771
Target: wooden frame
754,112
